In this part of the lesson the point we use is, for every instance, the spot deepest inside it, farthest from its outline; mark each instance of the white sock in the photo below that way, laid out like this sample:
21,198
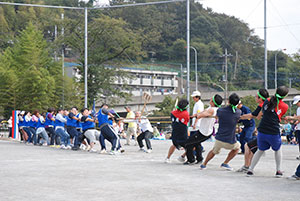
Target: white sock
278,159
255,159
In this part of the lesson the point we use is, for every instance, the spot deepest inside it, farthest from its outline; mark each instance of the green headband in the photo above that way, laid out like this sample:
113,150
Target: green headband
233,107
279,97
181,109
215,102
259,95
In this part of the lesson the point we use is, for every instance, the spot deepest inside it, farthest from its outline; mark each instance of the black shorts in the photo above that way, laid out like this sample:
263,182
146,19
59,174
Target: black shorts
252,145
177,144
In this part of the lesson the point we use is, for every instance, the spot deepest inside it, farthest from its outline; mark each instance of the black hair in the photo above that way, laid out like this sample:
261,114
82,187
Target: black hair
198,97
182,104
59,109
82,110
51,109
218,99
234,99
74,107
264,93
103,105
282,91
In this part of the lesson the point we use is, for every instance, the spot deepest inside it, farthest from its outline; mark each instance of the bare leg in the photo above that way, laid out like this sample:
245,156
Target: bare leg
209,156
231,155
171,151
248,156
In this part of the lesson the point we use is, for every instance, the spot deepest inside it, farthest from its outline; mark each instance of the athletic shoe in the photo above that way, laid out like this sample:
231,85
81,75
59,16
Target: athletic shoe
82,147
76,148
298,157
249,173
113,152
63,146
92,150
103,151
294,177
226,167
189,163
202,167
279,174
148,151
243,169
181,159
57,146
69,147
167,160
142,150
52,146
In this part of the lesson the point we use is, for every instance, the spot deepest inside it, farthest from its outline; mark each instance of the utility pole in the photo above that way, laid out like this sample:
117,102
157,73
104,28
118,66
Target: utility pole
235,65
181,75
226,74
85,56
188,50
63,63
265,40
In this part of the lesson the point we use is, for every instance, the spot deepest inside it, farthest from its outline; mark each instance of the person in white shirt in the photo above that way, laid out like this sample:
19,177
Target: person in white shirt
198,107
147,132
205,131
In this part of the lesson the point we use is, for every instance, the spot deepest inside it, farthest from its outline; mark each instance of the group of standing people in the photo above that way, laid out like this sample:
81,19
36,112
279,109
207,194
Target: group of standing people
270,110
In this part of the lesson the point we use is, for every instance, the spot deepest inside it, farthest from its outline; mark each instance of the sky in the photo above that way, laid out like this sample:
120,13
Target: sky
283,19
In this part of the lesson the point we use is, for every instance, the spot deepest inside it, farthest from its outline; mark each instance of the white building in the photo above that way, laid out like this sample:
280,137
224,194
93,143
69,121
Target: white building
152,82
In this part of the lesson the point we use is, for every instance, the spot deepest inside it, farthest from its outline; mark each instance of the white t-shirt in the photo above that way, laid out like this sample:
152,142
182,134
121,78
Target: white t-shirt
298,114
207,124
198,107
145,125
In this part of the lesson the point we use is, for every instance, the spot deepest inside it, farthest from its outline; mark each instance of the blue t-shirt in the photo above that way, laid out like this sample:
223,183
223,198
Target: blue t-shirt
246,122
227,124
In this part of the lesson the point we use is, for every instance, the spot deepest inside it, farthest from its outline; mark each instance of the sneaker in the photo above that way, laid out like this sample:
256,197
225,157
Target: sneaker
75,148
249,173
189,163
63,146
103,151
142,150
181,159
57,146
82,147
279,174
226,167
148,151
52,146
294,177
243,169
202,167
92,150
113,152
298,157
167,160
69,147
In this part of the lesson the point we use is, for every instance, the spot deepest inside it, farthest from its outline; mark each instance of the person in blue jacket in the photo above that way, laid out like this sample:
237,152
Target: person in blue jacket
249,127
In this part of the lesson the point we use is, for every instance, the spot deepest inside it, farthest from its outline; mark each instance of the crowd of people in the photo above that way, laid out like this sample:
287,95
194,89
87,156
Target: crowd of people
71,129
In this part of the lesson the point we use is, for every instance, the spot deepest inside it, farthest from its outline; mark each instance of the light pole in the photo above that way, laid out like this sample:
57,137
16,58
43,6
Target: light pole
275,79
196,76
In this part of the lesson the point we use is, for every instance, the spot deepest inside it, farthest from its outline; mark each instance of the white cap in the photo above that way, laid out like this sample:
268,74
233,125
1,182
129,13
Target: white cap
296,99
196,93
22,113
